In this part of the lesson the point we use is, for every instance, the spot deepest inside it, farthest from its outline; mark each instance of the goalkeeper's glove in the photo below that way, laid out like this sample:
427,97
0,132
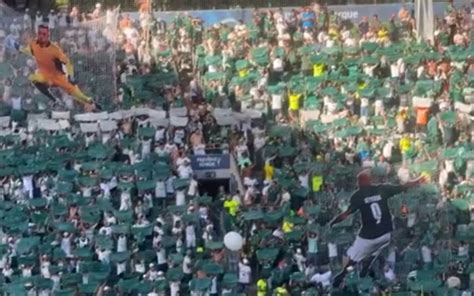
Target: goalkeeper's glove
69,70
26,50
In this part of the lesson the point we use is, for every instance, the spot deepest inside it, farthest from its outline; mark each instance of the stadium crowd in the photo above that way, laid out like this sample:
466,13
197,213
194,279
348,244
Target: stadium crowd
314,100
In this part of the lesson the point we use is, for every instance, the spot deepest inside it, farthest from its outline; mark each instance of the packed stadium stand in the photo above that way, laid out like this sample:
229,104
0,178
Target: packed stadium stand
304,150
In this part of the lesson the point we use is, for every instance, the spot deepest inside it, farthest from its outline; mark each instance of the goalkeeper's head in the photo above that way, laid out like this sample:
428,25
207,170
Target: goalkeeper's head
43,35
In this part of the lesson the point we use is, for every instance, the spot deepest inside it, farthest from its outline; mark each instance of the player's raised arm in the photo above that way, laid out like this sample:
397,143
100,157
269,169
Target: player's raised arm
26,49
392,190
416,182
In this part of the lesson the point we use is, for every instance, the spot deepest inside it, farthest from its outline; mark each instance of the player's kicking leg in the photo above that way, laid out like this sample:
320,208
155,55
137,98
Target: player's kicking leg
360,250
367,264
339,278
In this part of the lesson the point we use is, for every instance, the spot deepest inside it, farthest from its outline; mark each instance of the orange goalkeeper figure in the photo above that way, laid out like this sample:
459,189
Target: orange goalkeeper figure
54,69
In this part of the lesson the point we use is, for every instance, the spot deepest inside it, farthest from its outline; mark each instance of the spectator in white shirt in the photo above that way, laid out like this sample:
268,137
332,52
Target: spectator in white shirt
169,186
193,186
103,255
7,271
66,244
387,150
303,177
27,182
170,147
185,171
426,255
285,197
278,66
122,243
300,260
182,158
180,196
463,249
26,271
277,102
190,236
245,274
332,252
97,12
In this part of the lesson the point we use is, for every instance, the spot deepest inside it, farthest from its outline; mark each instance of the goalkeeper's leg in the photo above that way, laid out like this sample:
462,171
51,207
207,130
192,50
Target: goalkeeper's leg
74,91
42,84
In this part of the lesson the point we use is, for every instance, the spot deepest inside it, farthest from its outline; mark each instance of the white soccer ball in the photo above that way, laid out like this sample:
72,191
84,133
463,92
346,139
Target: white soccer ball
233,241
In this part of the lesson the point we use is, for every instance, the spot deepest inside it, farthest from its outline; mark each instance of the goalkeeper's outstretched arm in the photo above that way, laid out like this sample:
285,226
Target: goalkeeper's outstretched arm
63,58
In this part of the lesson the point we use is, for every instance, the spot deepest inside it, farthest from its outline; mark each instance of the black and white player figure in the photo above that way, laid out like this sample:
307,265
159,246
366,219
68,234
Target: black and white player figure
376,231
